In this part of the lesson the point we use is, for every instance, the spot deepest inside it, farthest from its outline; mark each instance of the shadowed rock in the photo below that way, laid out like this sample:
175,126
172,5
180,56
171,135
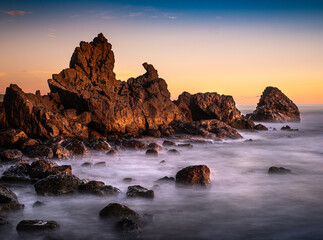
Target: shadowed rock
278,170
116,210
275,106
139,191
8,200
36,226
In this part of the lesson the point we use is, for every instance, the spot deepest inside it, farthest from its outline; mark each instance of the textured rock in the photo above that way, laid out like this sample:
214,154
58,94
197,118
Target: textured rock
98,188
75,146
17,173
278,170
36,226
8,200
42,152
275,106
57,184
139,191
42,169
194,175
116,210
10,137
11,155
152,152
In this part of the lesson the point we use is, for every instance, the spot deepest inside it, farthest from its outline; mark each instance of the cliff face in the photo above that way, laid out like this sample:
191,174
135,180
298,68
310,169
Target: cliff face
275,106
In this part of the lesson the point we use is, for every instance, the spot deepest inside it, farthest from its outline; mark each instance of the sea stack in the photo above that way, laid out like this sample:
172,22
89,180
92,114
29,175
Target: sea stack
275,106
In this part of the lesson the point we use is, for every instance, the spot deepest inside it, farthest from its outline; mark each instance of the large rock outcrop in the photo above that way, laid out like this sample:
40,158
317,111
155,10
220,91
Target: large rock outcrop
275,106
118,107
205,106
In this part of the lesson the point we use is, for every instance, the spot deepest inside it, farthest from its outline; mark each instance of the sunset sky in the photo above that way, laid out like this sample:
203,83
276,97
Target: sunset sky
233,47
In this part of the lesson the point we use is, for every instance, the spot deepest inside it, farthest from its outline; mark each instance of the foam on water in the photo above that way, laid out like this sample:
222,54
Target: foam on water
243,201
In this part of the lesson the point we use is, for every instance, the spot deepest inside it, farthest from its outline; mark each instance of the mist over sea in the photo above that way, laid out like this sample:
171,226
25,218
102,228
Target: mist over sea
242,202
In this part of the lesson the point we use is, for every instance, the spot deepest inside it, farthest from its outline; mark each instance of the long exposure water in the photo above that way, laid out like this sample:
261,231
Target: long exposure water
242,202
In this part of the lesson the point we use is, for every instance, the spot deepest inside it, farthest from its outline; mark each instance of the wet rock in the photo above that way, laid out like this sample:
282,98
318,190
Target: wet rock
139,191
288,128
155,146
200,141
126,225
194,175
113,152
152,152
102,146
38,204
86,164
36,226
116,210
173,152
134,144
11,137
162,162
185,145
260,127
108,190
43,168
166,179
8,200
17,173
61,152
278,170
11,155
3,221
57,184
76,146
168,143
29,142
154,133
128,180
275,106
100,164
42,152
91,186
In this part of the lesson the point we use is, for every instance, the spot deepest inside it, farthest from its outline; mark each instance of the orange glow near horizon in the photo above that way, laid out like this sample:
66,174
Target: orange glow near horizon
234,61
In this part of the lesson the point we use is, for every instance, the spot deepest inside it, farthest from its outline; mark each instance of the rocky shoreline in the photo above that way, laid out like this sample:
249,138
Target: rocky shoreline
88,109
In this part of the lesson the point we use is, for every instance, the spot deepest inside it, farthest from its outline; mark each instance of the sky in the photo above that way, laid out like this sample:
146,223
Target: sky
235,47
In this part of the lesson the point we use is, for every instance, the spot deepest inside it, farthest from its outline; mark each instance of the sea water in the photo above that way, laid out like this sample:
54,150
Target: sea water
242,202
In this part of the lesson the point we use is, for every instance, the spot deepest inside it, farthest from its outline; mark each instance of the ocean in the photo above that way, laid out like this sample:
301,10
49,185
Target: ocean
243,201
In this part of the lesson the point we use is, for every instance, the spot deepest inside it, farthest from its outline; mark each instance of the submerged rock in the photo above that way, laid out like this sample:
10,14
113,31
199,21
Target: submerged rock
38,204
17,173
152,152
185,145
194,175
128,226
173,152
116,210
288,128
155,146
139,191
8,200
36,226
113,152
57,184
134,144
166,179
275,106
75,146
168,143
260,127
278,170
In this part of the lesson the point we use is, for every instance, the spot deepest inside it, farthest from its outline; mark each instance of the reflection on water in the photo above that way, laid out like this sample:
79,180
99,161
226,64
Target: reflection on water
243,201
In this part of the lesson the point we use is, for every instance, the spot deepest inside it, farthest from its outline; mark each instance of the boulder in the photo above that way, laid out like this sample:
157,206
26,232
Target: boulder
75,146
128,226
168,143
134,144
288,128
17,173
166,179
198,175
36,226
260,127
113,152
152,152
278,170
185,145
275,106
11,155
116,210
98,188
42,169
8,200
61,152
57,184
139,191
155,146
102,145
38,204
173,152
11,137
41,152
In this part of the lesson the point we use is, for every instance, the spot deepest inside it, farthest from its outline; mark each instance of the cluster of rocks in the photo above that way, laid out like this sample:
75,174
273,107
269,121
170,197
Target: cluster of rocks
86,99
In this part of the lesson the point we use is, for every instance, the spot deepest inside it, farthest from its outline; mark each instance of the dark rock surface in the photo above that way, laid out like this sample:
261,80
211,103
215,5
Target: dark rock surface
139,191
57,184
152,152
155,146
288,128
11,155
8,200
278,170
116,210
194,175
17,173
275,106
36,226
11,137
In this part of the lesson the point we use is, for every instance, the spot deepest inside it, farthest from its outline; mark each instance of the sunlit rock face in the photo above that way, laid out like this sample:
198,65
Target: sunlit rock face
89,85
275,106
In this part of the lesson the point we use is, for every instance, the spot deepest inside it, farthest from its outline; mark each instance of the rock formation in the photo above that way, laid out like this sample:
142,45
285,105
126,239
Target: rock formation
86,100
275,106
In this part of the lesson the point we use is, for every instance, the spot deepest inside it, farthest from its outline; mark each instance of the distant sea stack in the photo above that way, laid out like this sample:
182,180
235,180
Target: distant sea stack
275,106
87,99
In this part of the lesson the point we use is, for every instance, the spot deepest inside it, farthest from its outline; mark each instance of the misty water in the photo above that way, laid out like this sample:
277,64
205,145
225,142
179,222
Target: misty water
242,202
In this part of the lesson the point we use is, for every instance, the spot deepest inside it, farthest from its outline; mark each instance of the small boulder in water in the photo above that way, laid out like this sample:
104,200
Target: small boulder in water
76,146
116,210
260,127
17,173
168,143
134,144
194,175
36,226
87,164
152,152
139,191
166,179
102,146
173,152
112,152
288,128
8,200
155,146
128,226
278,170
11,155
38,204
185,145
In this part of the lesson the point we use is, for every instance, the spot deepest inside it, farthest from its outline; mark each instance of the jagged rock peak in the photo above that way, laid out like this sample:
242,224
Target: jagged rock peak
275,106
94,59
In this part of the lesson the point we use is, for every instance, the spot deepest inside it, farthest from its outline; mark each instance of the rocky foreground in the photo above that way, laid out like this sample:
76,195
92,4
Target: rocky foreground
88,109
